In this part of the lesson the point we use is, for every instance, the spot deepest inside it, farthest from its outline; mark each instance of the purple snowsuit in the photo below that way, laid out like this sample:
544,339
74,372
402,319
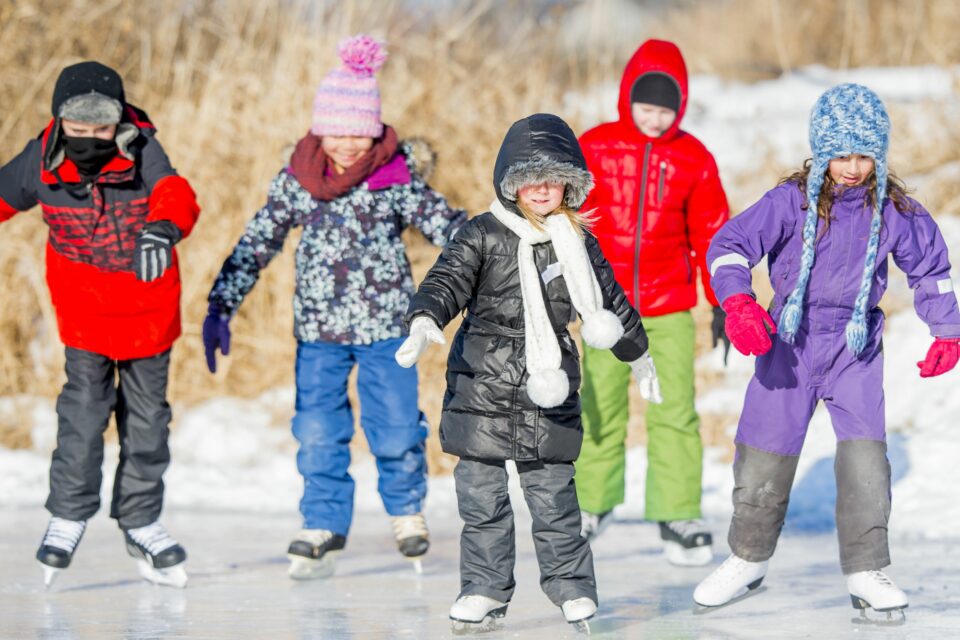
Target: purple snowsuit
791,378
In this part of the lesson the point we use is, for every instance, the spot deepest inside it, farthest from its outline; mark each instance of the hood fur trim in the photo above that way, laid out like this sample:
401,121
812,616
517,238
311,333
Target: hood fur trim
542,169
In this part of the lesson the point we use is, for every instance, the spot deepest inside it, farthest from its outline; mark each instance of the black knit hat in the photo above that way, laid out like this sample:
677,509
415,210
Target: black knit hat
658,89
89,92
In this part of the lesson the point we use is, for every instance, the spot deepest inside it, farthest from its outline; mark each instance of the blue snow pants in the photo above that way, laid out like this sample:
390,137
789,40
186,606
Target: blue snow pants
395,429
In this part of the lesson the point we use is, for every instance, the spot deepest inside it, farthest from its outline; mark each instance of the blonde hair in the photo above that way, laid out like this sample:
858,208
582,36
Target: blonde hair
582,221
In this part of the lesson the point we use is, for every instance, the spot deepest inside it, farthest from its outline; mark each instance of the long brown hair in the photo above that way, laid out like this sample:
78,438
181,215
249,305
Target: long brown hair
896,190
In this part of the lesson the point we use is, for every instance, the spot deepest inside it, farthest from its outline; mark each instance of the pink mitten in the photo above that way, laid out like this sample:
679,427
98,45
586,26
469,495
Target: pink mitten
941,357
748,325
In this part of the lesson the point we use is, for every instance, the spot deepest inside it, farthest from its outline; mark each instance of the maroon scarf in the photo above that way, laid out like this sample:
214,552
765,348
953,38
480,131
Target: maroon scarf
309,165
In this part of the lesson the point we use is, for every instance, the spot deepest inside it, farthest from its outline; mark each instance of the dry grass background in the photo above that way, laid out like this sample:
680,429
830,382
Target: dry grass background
229,84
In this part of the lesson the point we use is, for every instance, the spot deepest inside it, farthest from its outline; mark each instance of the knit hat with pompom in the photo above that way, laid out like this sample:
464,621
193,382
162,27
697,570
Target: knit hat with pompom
348,100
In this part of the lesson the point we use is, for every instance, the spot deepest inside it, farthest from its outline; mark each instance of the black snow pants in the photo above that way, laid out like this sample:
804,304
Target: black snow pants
487,546
143,415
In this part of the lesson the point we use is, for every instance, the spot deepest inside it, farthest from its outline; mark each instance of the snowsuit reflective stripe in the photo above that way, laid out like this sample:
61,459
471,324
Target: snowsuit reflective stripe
487,550
791,379
674,449
395,429
143,415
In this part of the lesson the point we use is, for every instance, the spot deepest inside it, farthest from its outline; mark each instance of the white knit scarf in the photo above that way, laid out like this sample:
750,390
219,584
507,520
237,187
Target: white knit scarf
547,385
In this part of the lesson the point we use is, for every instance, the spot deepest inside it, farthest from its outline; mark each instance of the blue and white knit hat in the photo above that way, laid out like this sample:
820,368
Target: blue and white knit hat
846,119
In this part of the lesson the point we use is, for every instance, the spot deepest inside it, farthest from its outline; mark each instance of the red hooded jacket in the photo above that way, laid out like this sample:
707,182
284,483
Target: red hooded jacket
659,200
100,304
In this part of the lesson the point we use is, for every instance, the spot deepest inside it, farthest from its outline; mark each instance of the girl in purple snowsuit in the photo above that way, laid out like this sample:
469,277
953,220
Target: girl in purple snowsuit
827,232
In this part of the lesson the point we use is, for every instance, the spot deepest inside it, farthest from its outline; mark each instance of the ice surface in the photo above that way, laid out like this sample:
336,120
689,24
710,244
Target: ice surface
239,587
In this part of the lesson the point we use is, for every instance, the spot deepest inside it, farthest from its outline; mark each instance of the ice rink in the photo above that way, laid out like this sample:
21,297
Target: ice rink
239,587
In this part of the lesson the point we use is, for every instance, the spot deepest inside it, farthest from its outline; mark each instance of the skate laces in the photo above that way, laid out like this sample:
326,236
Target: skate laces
731,568
880,577
153,537
315,537
413,526
685,528
64,534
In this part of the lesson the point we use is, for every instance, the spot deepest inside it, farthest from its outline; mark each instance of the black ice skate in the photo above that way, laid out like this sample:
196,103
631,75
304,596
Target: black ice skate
57,547
412,536
686,542
312,553
159,557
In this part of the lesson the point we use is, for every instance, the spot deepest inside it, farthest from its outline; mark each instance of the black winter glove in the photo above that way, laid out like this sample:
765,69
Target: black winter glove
153,254
719,332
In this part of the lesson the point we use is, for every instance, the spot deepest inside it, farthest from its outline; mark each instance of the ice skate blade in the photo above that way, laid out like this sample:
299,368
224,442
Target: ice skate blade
582,626
886,618
489,623
750,590
302,568
680,556
49,575
175,576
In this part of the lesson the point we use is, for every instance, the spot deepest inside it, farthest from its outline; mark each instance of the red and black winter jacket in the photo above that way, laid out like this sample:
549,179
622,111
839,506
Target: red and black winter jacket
659,200
100,304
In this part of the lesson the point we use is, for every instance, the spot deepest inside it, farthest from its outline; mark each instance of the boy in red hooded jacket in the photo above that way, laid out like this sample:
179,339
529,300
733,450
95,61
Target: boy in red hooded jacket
115,208
658,202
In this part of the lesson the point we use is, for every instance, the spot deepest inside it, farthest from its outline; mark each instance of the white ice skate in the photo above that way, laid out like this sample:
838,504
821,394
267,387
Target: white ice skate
874,590
578,612
412,536
312,553
593,524
159,557
476,613
57,547
734,578
686,543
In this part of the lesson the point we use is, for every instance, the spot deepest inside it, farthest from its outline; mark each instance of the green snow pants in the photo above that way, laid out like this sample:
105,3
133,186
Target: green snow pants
674,449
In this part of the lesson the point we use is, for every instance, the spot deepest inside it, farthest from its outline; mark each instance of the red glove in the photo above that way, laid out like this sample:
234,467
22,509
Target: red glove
941,357
748,325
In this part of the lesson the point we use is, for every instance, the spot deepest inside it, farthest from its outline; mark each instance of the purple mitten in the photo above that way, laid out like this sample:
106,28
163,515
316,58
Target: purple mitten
216,334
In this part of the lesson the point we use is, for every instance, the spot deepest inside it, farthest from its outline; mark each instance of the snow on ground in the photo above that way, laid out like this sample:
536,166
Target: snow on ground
237,454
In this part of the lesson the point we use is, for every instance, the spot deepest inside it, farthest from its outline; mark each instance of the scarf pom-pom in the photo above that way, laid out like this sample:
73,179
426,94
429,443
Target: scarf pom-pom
601,330
789,322
548,388
856,335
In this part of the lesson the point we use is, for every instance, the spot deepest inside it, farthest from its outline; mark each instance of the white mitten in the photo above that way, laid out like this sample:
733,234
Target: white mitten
423,331
646,375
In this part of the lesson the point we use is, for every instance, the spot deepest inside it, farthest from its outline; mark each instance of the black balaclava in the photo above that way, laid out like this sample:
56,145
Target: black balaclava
657,89
89,154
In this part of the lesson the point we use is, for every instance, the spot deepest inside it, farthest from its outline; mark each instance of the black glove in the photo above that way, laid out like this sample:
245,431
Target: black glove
154,249
719,332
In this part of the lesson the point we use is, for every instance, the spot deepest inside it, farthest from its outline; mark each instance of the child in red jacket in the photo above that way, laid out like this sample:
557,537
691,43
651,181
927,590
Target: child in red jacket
658,202
115,208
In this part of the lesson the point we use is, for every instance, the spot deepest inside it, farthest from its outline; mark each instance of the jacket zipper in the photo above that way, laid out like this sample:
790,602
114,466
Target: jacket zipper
686,261
663,171
636,250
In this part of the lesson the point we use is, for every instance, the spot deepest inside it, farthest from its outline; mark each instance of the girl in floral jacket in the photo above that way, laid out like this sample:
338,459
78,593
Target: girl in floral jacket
353,188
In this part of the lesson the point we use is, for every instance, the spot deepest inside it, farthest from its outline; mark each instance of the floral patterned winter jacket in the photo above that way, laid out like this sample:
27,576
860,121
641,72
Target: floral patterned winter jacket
352,273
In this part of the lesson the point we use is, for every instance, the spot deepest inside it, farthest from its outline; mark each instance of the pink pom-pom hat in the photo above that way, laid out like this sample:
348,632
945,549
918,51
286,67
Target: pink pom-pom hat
347,102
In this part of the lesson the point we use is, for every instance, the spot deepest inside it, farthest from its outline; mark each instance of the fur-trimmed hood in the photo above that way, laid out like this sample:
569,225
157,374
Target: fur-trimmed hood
541,148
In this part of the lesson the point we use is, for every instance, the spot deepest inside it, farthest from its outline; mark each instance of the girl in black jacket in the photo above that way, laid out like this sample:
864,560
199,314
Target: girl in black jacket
513,371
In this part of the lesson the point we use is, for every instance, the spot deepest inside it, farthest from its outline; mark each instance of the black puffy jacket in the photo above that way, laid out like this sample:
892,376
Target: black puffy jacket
486,411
